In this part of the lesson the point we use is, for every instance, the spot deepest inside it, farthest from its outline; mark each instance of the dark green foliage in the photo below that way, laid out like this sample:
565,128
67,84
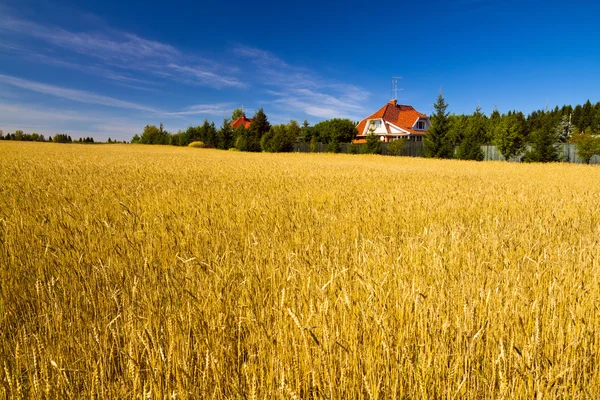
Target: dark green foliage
475,136
61,138
334,130
225,136
438,142
333,146
543,142
373,145
258,127
353,148
154,135
281,138
238,112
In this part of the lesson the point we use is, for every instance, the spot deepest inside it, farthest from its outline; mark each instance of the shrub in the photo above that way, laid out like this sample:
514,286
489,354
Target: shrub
373,145
353,148
198,145
395,148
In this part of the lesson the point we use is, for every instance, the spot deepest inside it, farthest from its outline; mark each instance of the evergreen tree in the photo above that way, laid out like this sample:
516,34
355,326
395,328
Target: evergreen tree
225,136
373,144
470,146
564,130
238,112
587,116
437,141
258,127
543,142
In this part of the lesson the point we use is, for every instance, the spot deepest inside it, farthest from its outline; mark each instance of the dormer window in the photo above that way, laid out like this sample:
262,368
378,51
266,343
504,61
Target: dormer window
421,125
376,123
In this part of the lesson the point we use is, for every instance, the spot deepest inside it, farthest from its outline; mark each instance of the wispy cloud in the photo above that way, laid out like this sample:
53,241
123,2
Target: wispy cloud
219,109
303,91
123,51
73,94
206,78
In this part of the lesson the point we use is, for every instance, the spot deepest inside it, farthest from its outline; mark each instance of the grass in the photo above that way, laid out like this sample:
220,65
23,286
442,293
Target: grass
132,271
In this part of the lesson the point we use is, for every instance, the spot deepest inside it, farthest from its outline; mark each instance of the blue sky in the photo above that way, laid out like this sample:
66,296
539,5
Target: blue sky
107,68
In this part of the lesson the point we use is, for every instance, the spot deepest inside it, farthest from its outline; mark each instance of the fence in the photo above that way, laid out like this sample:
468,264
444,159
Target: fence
410,149
566,151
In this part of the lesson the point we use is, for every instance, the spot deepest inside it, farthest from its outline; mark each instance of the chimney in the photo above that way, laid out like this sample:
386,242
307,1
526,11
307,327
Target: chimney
393,102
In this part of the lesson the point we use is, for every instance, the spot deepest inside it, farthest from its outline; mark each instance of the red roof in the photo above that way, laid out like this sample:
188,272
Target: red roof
402,116
241,121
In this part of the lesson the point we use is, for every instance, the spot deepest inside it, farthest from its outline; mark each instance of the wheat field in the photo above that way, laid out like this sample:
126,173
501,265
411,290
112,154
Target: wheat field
132,271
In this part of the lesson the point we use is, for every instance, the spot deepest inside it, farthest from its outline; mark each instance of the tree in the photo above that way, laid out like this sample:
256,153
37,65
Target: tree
313,144
258,127
475,135
238,112
1,135
587,116
395,147
564,130
334,130
225,136
508,136
543,143
154,135
587,145
437,143
281,138
373,144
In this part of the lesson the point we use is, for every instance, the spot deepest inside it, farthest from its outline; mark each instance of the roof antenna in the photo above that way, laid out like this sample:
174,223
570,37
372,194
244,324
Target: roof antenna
394,91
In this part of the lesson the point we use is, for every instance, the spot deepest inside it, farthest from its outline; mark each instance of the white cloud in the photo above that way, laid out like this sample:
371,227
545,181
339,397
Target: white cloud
203,77
123,51
72,94
301,91
219,109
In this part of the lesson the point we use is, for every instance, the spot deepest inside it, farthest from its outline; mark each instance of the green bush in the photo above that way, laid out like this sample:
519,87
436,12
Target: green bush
395,147
198,145
373,145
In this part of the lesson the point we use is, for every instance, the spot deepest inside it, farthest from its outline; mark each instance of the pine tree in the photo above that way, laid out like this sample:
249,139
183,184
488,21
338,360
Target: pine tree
543,143
258,127
470,146
437,141
225,136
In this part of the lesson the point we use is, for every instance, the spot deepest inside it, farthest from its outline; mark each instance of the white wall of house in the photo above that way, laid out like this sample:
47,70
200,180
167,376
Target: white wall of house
379,126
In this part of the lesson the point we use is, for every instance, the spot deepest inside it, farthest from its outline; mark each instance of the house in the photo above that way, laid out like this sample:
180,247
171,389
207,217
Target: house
392,122
241,121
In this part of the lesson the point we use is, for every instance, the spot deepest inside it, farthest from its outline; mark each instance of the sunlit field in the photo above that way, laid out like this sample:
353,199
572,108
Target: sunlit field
156,272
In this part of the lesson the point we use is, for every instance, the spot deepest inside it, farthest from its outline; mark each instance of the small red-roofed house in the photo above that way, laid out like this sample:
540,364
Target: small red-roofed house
241,121
392,122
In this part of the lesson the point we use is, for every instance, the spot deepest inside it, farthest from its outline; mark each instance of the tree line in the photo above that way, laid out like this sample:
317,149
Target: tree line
531,138
19,135
259,136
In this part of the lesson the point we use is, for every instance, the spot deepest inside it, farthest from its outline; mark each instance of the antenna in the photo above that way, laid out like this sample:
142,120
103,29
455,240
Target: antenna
394,91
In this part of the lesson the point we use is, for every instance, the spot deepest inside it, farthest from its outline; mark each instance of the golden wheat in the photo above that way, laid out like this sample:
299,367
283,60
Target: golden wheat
159,272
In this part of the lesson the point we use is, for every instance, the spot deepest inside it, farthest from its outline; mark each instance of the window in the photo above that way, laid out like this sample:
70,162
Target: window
421,125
